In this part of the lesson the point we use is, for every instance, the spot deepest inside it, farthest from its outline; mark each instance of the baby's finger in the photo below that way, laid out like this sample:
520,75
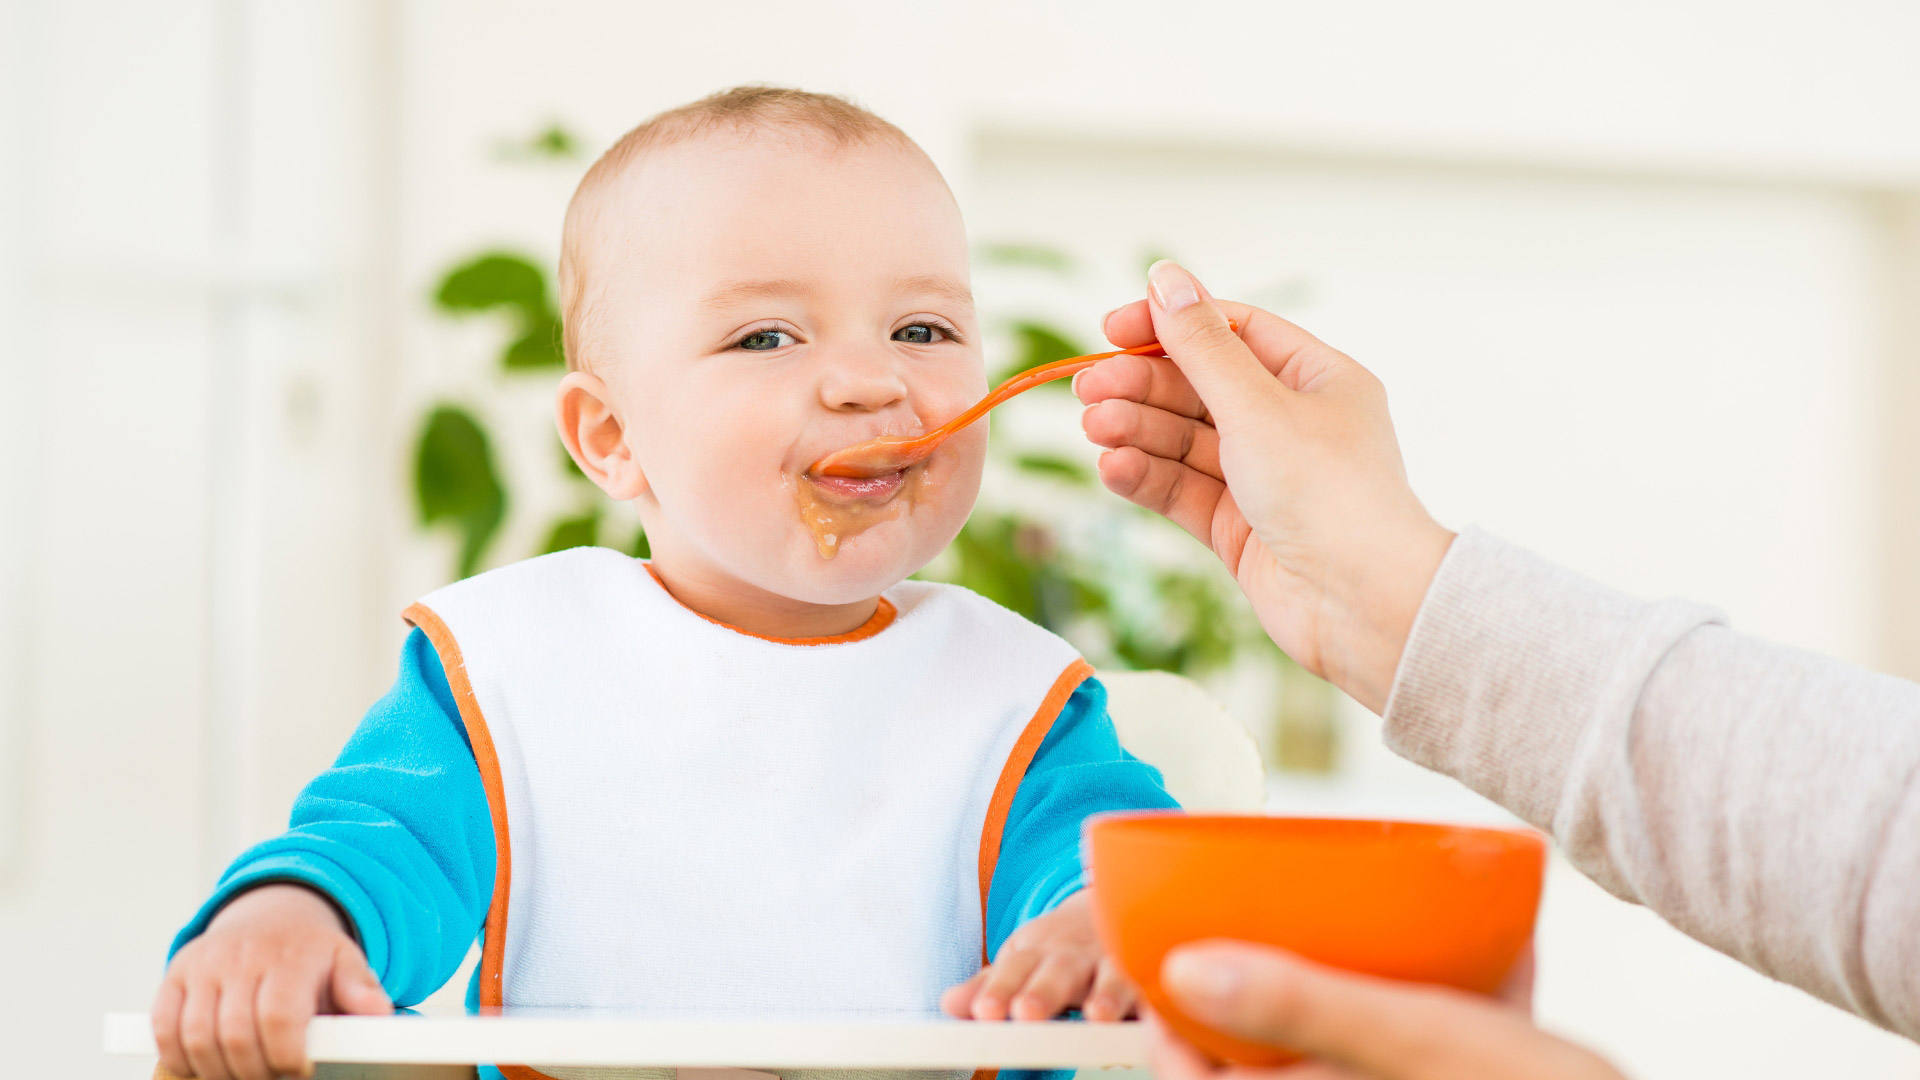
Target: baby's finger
355,989
1060,980
1003,980
285,1003
166,1025
1113,996
1115,423
239,1034
1150,380
1167,488
200,1030
957,1002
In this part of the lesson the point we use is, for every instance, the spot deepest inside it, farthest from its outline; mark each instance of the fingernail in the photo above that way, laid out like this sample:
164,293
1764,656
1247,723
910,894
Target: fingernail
1173,288
1107,316
1206,982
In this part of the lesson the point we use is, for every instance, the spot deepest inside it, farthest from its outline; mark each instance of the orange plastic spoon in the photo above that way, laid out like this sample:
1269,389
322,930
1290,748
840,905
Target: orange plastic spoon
891,453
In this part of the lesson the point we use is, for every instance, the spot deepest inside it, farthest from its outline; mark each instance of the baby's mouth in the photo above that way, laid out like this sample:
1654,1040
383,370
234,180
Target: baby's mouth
858,489
836,509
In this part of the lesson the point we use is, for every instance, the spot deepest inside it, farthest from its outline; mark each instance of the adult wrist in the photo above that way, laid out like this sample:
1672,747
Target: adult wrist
1372,611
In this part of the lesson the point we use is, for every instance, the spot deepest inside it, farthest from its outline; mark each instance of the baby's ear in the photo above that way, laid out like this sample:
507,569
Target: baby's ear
592,431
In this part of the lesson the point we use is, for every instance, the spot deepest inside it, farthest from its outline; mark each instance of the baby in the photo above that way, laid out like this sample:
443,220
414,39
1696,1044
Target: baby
763,771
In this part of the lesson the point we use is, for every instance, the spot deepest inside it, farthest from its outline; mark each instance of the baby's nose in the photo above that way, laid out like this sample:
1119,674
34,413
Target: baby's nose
861,383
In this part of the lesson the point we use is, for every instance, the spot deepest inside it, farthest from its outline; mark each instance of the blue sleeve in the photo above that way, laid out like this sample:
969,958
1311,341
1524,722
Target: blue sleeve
397,834
1080,770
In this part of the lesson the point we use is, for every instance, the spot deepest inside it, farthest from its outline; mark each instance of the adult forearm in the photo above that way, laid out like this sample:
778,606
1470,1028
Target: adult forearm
1760,798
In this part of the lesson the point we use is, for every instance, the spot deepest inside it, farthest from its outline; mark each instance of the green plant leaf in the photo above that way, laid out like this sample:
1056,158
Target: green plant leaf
1197,630
553,143
1039,344
1055,466
454,481
1015,563
582,530
556,141
496,279
539,347
1036,256
640,548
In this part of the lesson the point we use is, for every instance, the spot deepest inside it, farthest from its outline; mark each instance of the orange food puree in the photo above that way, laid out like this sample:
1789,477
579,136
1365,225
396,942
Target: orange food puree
834,520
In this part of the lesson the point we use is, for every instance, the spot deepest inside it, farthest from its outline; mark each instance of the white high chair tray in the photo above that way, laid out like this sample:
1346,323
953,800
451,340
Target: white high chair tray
616,1038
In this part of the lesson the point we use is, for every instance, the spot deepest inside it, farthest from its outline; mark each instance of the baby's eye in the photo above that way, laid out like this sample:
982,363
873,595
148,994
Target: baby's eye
765,341
922,334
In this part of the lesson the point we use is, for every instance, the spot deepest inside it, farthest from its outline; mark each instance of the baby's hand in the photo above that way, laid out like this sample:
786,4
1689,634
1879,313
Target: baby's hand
1048,966
236,1000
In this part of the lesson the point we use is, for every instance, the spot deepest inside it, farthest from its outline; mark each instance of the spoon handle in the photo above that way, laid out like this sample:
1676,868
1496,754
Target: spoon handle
1035,376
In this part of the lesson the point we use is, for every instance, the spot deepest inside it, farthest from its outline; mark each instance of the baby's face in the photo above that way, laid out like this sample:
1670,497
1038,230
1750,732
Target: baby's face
762,301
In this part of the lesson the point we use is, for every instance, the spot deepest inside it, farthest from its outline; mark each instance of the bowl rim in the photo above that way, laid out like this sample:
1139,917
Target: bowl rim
1309,828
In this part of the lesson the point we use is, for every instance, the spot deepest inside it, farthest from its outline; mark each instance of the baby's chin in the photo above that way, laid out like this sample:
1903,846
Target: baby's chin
860,567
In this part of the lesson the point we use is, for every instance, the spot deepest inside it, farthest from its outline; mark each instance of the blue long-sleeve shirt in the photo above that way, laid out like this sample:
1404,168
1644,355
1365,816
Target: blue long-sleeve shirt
398,834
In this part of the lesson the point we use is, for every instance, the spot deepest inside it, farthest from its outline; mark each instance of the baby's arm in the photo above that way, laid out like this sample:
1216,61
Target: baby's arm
1046,957
384,874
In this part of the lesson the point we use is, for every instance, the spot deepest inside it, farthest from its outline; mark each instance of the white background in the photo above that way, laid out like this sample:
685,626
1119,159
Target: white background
1635,275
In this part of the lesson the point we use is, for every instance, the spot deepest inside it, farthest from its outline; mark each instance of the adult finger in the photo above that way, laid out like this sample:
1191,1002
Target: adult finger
1004,979
1150,380
239,1035
1375,1025
166,1024
200,1030
1172,1058
284,1005
1184,496
1284,348
1113,996
1196,336
1155,431
1517,989
1128,326
1059,981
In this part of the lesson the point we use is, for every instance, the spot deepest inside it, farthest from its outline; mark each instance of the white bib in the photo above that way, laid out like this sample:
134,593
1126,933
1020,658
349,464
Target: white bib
692,818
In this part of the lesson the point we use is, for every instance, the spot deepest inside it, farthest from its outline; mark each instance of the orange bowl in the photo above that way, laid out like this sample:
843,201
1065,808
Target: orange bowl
1441,904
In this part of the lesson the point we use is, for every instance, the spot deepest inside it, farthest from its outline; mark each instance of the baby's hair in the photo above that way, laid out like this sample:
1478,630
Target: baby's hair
838,120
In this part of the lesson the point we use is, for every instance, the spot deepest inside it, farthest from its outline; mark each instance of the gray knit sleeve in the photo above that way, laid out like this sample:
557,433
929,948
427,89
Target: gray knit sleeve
1760,798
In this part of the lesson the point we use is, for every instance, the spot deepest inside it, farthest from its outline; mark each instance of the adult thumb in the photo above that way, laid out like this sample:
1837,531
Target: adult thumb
355,990
1378,1026
1202,344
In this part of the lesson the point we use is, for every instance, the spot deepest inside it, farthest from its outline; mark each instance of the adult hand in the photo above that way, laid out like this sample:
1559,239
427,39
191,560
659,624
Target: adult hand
1351,1025
1276,451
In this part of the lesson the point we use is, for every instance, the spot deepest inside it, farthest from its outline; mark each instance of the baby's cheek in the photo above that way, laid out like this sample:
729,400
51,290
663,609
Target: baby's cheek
953,479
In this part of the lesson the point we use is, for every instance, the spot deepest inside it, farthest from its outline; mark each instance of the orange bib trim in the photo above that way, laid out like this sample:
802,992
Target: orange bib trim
493,941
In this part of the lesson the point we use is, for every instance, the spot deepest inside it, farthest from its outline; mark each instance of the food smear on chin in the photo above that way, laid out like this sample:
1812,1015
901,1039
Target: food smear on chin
834,518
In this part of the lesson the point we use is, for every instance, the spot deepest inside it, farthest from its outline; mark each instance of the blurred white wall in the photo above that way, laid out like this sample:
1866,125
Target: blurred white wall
1635,275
